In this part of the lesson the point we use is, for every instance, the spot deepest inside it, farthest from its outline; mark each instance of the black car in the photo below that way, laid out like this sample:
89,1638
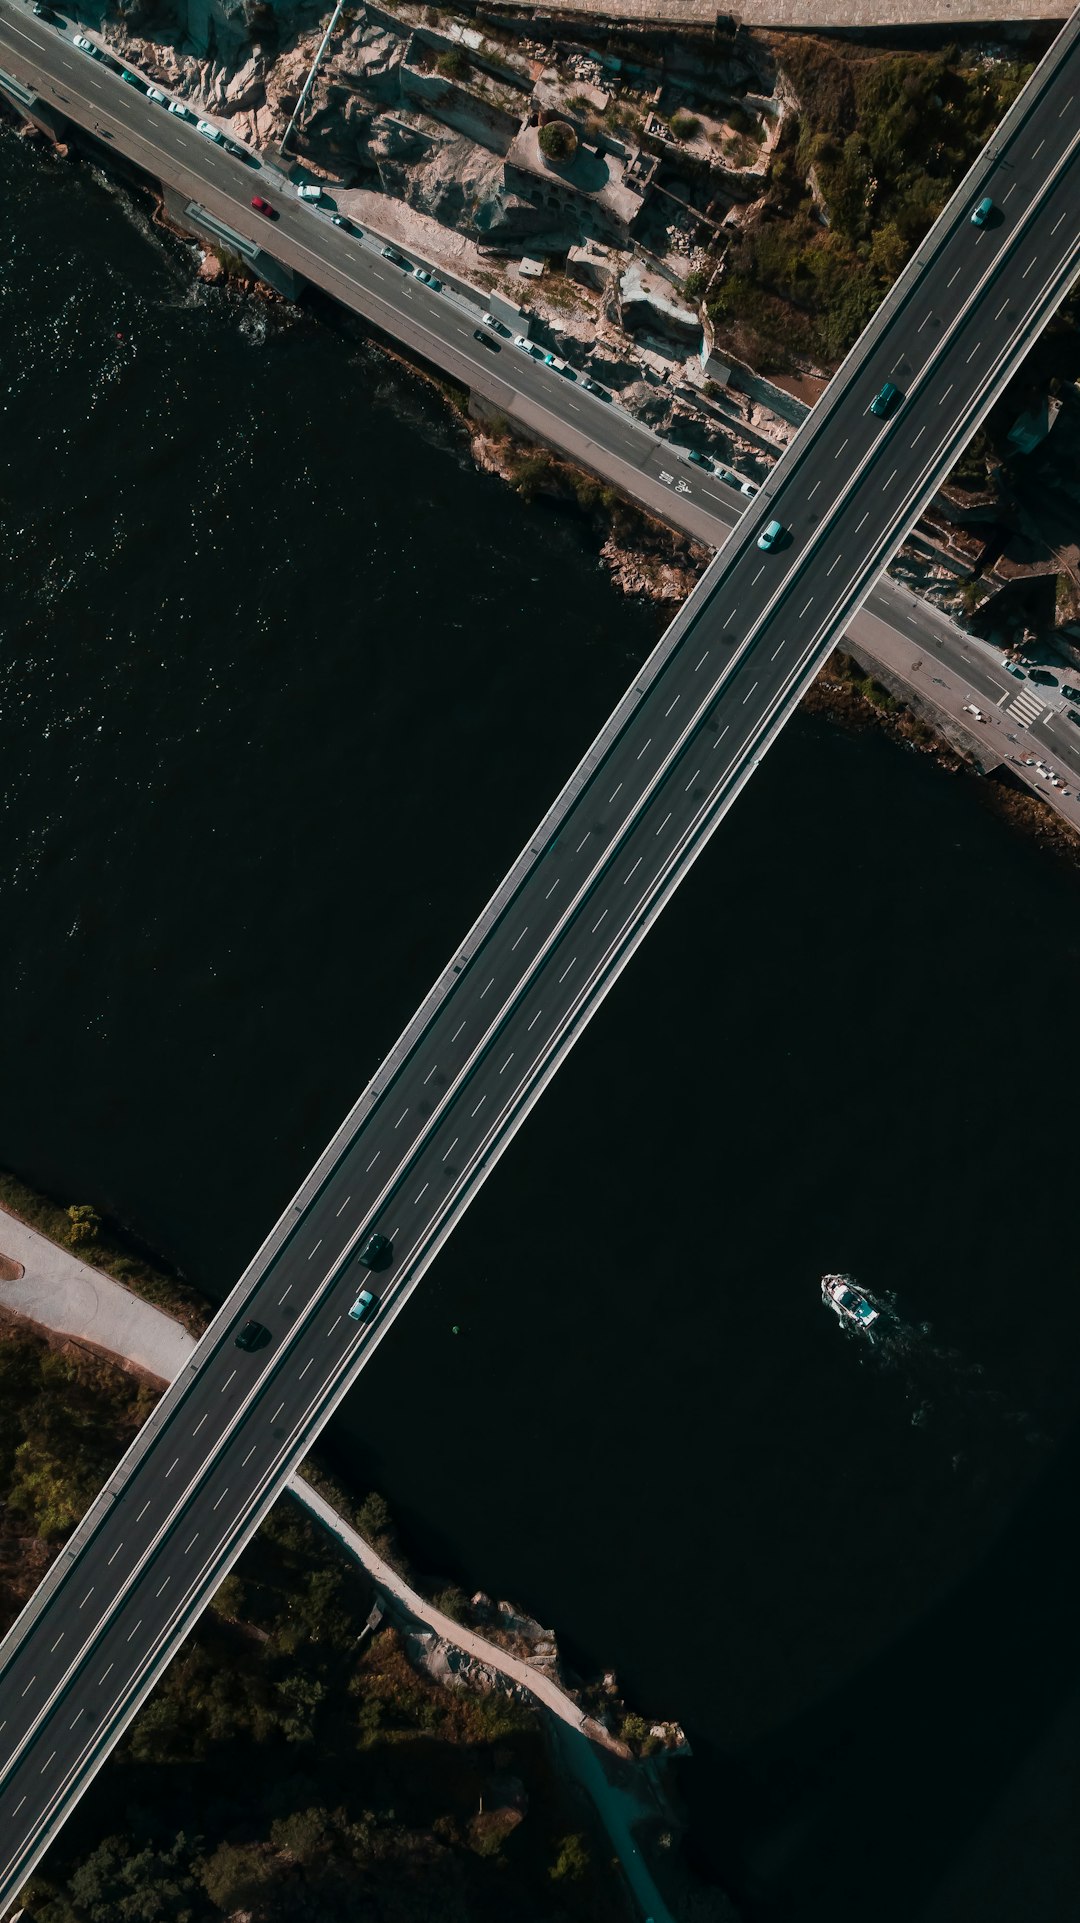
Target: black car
1072,693
486,340
1043,676
699,460
252,1336
375,1251
594,387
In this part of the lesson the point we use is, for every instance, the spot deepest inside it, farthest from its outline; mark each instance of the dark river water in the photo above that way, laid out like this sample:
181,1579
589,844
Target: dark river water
284,685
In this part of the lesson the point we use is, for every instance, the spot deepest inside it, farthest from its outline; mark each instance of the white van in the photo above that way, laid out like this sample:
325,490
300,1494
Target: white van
309,191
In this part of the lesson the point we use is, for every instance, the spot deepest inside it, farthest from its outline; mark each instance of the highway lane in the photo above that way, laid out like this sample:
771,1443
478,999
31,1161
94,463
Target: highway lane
734,663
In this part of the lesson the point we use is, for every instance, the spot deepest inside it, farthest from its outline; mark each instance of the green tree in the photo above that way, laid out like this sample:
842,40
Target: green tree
572,1862
85,1223
454,63
558,141
117,1884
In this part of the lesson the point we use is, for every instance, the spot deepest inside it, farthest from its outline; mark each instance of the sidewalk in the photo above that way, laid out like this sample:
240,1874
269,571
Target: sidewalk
59,1293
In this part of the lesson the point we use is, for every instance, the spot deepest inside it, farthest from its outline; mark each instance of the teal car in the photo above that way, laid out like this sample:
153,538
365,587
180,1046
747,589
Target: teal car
363,1305
771,536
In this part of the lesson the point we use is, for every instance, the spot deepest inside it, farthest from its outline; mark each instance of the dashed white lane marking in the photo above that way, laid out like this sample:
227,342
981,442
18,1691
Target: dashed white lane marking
171,1467
108,1565
747,695
691,781
57,1643
641,751
142,1512
1031,263
227,1381
452,1145
1067,105
890,480
664,823
813,490
588,831
809,604
1039,148
373,1161
221,1498
840,449
633,870
535,1019
164,1585
458,1030
552,889
568,967
864,520
333,1325
417,1199
199,1424
507,1063
779,650
249,1455
704,658
348,1198
45,1765
192,1543
725,728
33,1678
401,1118
521,937
484,991
1055,227
595,926
108,1672
919,435
977,345
479,1104
316,1249
674,704
758,575
135,1631
87,1597
277,1412
834,564
281,1298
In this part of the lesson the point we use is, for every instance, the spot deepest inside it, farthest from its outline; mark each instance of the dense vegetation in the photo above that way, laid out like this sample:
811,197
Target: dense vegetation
290,1767
885,138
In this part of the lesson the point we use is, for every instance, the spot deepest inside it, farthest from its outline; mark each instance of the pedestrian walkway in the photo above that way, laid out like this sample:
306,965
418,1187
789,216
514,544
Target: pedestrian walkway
1025,707
59,1293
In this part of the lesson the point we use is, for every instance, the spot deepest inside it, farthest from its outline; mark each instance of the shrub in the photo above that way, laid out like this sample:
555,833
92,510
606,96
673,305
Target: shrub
454,63
572,1861
558,141
695,283
684,126
85,1223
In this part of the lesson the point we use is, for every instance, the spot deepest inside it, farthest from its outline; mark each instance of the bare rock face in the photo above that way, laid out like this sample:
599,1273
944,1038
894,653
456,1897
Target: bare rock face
390,139
247,88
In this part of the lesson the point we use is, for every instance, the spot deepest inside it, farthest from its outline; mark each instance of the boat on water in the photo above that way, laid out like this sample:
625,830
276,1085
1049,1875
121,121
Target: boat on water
844,1300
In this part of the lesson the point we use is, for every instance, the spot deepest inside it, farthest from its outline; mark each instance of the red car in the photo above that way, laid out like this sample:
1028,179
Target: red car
262,206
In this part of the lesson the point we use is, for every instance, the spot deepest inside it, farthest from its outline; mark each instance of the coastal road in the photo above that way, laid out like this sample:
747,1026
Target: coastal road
441,327
633,817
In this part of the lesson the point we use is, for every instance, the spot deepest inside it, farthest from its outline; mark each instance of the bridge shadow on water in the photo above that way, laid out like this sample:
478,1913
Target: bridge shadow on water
861,1806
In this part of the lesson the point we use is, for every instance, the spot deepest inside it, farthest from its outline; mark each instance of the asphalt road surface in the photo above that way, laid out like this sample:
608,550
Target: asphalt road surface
637,812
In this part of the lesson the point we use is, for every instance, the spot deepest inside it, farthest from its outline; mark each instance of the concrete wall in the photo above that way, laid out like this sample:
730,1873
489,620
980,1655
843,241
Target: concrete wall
456,107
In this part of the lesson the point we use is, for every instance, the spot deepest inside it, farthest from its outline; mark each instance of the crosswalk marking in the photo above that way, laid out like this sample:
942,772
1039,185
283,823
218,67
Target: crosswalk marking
1026,708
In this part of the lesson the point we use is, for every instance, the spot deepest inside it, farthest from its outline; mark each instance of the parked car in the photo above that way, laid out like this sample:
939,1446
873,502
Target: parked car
309,190
771,536
155,94
1043,676
262,206
1072,693
84,45
747,487
569,373
429,280
178,108
340,220
699,460
982,212
594,387
131,78
1011,668
209,131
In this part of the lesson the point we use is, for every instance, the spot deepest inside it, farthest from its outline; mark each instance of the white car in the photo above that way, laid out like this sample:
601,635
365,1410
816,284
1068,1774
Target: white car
309,191
155,93
84,46
520,340
747,487
208,129
178,107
